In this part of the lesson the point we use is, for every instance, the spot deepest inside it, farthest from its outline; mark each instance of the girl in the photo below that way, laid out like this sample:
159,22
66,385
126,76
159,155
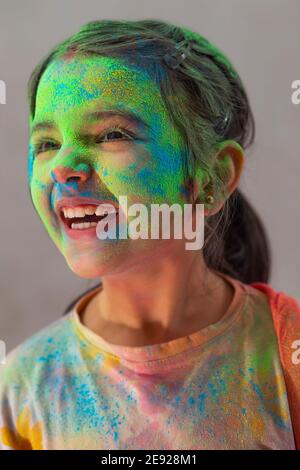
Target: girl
174,348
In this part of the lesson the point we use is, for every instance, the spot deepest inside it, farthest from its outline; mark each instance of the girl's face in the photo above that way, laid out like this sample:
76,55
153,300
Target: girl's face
101,131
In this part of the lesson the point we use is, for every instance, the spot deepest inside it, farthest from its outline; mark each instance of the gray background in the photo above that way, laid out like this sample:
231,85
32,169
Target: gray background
261,37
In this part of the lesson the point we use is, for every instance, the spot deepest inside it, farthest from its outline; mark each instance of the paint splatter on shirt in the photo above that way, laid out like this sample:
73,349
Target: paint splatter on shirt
221,387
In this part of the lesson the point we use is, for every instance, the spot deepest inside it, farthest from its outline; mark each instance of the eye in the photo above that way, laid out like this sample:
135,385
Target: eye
115,134
44,146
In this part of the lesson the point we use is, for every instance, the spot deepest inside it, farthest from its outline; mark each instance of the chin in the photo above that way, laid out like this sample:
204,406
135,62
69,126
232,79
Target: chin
89,266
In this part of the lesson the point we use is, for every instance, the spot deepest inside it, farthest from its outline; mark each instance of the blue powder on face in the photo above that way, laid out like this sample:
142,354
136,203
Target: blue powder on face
30,163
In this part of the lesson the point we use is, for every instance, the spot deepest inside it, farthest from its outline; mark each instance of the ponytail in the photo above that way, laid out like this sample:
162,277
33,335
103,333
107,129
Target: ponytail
242,250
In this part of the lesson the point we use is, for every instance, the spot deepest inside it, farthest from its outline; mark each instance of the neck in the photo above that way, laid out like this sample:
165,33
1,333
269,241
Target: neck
175,294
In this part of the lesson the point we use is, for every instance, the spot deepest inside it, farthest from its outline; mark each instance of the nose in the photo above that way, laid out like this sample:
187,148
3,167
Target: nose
68,174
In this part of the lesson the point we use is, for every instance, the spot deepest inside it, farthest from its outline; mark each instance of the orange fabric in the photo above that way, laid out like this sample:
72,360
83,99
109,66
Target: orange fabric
286,317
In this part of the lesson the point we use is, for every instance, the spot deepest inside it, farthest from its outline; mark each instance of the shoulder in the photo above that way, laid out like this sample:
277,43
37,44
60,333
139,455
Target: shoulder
39,351
27,369
265,301
286,316
285,311
285,308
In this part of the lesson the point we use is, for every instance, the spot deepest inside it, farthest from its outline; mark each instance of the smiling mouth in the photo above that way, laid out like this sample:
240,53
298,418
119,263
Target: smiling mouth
73,221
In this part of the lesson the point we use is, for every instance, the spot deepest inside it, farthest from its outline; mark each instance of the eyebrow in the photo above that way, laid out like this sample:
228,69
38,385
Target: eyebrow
91,117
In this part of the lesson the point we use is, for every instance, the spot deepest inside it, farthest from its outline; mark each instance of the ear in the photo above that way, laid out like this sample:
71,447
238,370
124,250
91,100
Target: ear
227,164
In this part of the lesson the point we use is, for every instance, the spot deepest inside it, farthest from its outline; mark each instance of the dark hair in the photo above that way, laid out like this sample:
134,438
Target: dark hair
207,103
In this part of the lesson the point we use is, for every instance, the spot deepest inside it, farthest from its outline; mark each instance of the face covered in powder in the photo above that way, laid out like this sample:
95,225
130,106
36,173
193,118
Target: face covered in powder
101,130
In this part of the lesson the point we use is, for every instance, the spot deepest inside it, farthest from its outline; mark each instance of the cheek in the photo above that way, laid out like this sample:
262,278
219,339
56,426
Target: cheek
41,197
144,174
39,188
37,182
122,173
39,171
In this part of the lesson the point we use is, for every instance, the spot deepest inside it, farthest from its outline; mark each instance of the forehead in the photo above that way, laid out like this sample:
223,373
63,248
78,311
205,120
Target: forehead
68,87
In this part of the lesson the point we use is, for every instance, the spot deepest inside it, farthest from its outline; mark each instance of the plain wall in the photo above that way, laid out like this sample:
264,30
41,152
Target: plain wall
260,37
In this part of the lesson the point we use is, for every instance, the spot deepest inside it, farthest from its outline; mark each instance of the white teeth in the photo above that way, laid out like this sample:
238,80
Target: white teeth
90,210
79,212
71,212
105,209
83,225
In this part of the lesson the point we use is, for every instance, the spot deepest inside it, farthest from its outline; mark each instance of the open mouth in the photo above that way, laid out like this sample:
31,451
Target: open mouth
85,217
